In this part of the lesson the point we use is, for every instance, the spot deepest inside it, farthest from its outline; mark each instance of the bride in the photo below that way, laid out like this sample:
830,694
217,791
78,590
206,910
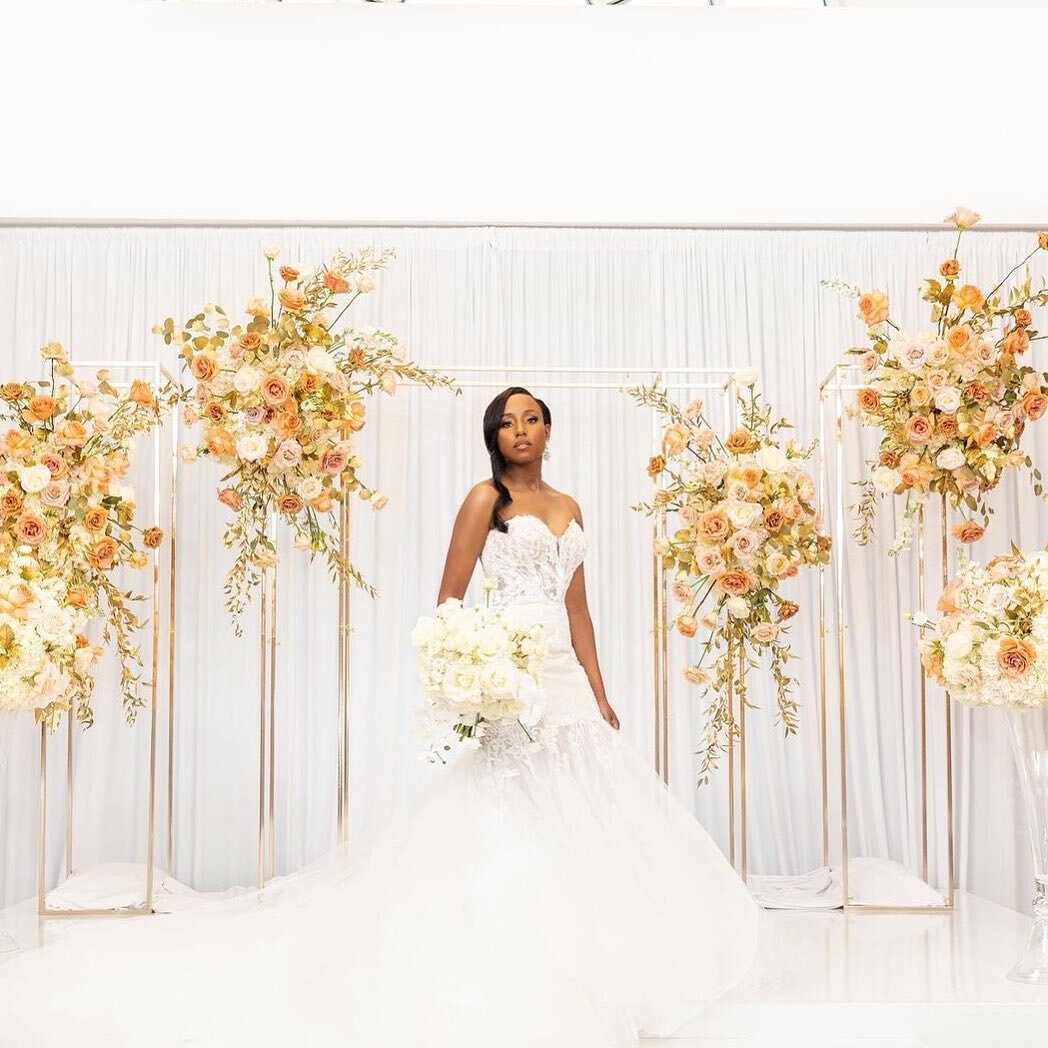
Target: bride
553,895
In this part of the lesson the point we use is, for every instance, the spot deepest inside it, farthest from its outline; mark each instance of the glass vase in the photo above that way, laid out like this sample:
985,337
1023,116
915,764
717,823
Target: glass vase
1029,733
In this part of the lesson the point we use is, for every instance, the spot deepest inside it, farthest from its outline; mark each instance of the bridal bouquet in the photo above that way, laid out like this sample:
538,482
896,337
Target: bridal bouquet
473,666
279,398
44,658
951,401
64,498
990,648
746,523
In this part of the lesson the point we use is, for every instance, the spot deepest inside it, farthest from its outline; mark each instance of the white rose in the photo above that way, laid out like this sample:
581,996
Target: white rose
187,453
885,480
246,380
921,618
318,359
252,446
742,514
496,678
310,488
950,458
745,377
958,644
738,607
948,399
34,478
772,459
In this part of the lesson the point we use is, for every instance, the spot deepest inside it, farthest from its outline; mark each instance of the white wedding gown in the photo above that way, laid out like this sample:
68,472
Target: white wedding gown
545,896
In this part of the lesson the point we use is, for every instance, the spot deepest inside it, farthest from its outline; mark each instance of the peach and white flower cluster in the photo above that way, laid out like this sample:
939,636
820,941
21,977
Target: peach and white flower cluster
280,398
476,670
990,647
65,497
951,401
45,659
745,523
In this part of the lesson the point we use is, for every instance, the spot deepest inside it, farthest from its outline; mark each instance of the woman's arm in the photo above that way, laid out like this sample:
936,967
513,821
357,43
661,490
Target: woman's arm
582,639
467,540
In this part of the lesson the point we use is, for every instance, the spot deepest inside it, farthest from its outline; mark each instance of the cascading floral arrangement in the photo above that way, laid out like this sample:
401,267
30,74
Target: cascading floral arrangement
66,505
747,522
951,401
990,647
279,398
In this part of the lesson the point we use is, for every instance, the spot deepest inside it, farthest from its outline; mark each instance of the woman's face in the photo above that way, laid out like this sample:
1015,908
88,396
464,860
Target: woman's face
522,433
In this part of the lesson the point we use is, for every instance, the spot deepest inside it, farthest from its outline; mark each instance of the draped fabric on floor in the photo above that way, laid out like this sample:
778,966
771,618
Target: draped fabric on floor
514,298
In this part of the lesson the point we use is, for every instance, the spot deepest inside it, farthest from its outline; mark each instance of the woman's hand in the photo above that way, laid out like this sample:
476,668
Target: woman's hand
609,714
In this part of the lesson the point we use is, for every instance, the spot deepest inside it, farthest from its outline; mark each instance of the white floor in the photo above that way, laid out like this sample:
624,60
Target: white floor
831,980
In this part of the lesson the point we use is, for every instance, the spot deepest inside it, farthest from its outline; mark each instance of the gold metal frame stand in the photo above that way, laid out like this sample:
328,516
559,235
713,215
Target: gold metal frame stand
845,378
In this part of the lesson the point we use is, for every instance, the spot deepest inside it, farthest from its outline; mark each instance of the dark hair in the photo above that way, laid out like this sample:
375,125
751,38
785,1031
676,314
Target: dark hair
492,420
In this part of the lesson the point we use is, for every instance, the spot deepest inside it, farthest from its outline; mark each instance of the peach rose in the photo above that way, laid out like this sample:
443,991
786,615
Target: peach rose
873,308
869,400
71,434
322,503
357,358
976,392
215,411
968,532
10,504
918,429
1015,657
1023,318
968,296
12,391
310,383
42,407
687,626
1016,341
290,504
656,464
947,602
736,583
289,274
787,609
1034,404
203,367
153,537
249,341
220,443
675,439
103,553
286,424
142,393
231,498
336,284
56,494
334,460
985,435
931,660
291,299
713,526
77,597
960,337
1042,241
963,218
920,397
740,442
751,476
357,411
30,529
950,268
95,518
275,390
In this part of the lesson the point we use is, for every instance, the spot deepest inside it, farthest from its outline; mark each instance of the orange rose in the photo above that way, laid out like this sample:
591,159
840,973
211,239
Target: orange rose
656,464
203,367
322,503
869,400
289,274
687,626
713,526
336,284
103,553
1022,318
355,421
71,434
291,299
932,662
357,358
1016,341
947,602
95,518
249,341
1042,241
960,337
787,609
985,435
153,537
873,308
976,392
740,442
275,390
12,391
142,393
10,504
290,504
968,296
918,429
309,383
889,459
1034,404
286,424
1015,657
30,529
736,583
215,411
77,597
950,268
231,498
751,476
219,443
675,439
41,406
968,532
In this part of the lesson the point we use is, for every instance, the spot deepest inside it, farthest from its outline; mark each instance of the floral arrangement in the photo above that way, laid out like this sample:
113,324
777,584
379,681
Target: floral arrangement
65,499
45,660
990,647
474,666
279,398
951,401
746,523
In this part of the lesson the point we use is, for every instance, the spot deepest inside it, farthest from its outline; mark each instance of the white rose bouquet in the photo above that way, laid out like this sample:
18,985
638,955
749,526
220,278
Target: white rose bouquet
474,667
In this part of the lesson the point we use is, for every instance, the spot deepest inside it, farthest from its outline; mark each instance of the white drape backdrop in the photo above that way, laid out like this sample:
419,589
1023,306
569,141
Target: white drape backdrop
503,297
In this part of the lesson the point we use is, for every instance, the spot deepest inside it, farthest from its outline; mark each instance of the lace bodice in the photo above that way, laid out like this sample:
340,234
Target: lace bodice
529,564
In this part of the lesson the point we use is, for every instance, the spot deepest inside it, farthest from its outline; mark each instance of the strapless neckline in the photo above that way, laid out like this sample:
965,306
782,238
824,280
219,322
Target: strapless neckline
532,516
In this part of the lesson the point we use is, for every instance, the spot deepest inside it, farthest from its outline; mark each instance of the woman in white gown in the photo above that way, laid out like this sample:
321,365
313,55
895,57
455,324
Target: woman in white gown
548,895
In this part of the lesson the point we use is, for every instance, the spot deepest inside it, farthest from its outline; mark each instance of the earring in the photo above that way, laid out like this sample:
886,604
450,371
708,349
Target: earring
545,452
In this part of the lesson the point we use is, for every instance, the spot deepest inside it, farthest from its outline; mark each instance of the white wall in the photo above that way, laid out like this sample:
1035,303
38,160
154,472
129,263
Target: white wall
381,114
